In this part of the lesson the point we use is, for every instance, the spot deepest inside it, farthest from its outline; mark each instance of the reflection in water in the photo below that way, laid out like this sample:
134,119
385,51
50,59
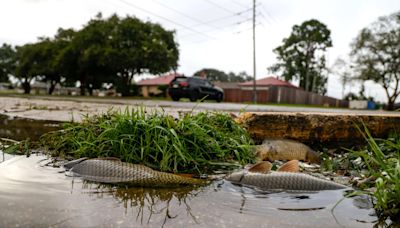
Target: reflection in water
147,201
37,195
21,128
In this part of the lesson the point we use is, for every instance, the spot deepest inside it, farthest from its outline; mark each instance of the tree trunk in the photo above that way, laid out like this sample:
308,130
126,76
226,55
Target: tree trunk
52,87
27,87
82,89
90,91
125,86
390,106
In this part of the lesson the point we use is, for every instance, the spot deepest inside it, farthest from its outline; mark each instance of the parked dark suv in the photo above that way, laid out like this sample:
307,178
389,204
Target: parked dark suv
194,88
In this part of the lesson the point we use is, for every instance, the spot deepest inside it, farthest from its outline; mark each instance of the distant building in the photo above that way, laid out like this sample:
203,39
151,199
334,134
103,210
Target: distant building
5,85
265,83
274,90
150,87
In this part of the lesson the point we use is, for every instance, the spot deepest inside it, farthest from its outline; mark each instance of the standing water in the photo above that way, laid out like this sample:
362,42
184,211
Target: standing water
35,194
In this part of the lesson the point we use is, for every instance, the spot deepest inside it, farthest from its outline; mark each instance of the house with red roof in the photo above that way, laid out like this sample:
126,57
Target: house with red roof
151,87
269,90
265,83
266,89
273,90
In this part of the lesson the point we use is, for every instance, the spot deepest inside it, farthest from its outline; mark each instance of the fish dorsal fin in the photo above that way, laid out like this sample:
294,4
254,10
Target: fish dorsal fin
261,167
290,166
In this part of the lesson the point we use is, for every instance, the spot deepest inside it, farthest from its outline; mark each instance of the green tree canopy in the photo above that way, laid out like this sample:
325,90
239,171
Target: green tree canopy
220,76
28,64
213,74
111,50
47,69
7,62
302,56
90,47
138,47
376,55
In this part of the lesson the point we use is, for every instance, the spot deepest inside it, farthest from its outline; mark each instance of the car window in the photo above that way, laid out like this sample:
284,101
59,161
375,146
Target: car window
200,82
181,79
196,81
207,83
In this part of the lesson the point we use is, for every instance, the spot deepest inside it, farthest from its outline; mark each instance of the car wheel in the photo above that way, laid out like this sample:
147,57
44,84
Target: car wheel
175,98
193,96
220,97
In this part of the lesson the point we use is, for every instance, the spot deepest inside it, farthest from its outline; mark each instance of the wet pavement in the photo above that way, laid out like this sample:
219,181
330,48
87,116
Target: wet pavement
33,194
72,108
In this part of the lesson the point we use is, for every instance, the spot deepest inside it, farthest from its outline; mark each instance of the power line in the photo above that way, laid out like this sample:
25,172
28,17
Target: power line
169,20
226,17
222,27
247,29
267,13
181,13
218,6
209,23
240,4
265,19
221,19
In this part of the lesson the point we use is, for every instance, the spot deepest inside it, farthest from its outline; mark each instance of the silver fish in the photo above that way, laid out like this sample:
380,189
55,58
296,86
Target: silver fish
282,181
116,172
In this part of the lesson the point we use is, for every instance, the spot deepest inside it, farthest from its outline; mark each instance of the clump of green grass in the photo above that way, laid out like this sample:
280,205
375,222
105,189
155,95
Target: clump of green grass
192,143
382,160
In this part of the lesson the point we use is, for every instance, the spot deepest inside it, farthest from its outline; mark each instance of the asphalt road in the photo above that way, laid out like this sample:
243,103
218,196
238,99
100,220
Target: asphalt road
223,106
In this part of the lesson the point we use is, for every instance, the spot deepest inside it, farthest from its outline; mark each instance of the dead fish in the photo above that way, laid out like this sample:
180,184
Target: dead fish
284,149
116,172
283,179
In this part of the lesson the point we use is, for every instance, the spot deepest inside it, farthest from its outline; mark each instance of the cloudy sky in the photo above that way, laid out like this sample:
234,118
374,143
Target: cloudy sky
211,33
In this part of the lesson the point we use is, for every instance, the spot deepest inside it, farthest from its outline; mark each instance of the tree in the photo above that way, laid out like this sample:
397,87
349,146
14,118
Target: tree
213,74
27,65
7,62
221,76
114,50
240,77
140,47
47,68
67,58
90,48
111,50
302,57
376,55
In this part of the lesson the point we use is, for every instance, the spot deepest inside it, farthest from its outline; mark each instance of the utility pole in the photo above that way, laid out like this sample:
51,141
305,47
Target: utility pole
254,53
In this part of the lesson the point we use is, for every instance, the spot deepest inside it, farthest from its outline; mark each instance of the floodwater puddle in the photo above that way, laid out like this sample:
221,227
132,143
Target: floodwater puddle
33,194
21,128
